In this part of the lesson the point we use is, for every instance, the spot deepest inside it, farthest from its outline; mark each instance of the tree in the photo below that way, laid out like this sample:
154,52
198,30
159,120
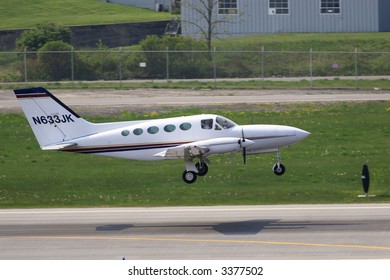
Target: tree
206,16
33,39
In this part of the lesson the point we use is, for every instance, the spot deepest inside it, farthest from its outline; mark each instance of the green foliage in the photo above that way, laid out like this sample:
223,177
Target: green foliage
188,58
55,60
324,168
35,38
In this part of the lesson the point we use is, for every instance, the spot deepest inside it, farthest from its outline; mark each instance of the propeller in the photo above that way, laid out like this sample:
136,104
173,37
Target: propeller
243,146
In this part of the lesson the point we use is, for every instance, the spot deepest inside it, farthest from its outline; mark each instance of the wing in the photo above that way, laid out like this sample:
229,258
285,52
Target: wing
187,151
203,148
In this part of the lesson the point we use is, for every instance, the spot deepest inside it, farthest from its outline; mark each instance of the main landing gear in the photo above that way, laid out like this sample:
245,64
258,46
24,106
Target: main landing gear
190,176
201,168
278,168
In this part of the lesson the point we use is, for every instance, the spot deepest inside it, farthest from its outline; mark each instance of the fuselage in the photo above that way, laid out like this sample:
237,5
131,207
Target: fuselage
142,140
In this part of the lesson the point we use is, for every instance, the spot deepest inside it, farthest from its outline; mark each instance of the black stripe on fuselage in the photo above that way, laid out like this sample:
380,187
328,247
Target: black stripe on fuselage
127,148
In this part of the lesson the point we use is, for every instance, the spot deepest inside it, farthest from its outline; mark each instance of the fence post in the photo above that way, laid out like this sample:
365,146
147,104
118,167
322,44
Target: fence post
215,67
311,67
25,64
262,67
356,69
72,66
167,63
120,67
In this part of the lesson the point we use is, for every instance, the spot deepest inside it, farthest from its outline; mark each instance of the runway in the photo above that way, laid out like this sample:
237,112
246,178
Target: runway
114,100
304,232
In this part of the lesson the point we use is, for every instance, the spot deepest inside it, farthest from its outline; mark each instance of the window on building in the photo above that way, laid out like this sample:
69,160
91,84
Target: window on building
278,7
227,7
330,6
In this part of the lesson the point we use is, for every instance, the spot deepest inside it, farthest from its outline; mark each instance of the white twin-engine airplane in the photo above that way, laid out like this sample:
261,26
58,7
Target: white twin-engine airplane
192,139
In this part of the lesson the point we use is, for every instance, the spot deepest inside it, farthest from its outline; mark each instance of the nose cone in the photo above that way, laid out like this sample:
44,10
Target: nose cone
301,134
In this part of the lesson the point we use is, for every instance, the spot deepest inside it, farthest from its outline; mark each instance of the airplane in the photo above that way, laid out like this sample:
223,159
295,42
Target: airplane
192,139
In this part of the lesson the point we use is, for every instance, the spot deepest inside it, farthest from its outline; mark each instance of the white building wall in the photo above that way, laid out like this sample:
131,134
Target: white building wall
304,16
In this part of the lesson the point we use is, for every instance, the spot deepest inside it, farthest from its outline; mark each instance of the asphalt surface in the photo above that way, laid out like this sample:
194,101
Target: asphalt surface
109,101
222,232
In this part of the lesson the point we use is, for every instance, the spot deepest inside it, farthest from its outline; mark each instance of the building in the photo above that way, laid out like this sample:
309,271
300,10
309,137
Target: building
249,17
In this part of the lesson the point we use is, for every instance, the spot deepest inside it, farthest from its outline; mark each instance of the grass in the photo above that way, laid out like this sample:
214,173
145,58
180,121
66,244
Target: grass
25,14
324,168
361,84
337,42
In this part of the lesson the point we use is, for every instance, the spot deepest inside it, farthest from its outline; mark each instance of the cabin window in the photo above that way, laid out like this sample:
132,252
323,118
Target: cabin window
207,124
185,126
330,7
125,132
169,128
138,131
153,129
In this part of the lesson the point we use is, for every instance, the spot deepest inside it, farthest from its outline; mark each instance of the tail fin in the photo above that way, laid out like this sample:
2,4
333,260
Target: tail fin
53,123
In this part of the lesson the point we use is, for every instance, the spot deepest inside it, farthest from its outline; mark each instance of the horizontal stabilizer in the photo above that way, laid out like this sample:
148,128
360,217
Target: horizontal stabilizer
58,146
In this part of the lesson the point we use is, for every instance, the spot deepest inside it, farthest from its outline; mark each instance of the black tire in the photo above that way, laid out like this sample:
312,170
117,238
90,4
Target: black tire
189,177
279,169
202,171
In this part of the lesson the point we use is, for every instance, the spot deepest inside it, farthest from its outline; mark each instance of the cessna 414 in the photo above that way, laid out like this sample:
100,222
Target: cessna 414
192,138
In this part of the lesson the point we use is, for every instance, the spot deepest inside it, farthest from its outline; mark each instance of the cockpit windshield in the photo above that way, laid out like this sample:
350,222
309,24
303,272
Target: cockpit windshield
224,123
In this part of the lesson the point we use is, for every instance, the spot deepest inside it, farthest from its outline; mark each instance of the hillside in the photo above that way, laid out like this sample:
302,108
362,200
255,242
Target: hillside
335,42
25,14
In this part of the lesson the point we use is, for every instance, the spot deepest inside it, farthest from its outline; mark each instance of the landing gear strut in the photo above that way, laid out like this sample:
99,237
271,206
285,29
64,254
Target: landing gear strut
202,168
279,168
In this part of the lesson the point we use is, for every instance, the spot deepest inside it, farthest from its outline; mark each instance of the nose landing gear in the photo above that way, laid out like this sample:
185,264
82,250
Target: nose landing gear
278,168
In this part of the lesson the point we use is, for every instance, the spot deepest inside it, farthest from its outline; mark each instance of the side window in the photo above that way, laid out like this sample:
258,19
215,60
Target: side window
125,132
207,124
138,131
185,126
169,128
153,129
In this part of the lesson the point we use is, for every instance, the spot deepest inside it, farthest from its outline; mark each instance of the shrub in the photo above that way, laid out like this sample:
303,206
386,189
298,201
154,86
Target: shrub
55,59
38,36
193,63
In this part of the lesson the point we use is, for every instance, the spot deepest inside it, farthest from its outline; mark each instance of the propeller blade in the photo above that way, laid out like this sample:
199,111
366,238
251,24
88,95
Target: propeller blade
244,155
243,146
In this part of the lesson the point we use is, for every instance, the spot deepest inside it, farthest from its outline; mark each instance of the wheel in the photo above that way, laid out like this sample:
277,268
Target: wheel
279,169
202,169
189,176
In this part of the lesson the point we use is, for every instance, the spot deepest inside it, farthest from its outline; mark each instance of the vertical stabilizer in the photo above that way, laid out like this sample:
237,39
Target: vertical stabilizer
50,119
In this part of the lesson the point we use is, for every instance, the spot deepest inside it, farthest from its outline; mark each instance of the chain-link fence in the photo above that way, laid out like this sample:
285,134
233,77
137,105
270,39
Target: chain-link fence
129,65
